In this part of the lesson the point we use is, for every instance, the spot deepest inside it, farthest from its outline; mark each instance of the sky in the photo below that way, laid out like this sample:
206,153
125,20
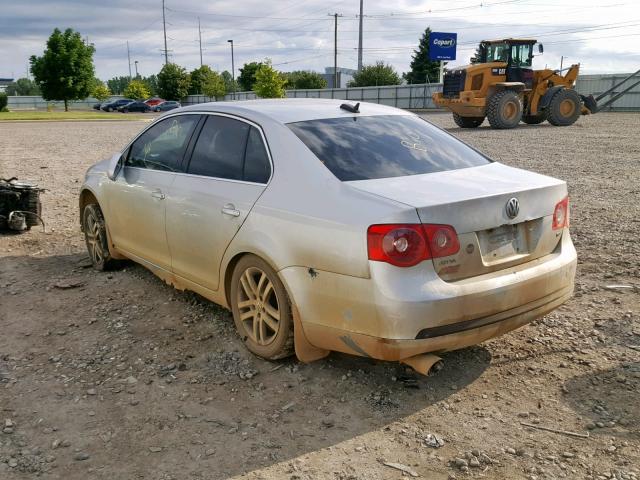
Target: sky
603,36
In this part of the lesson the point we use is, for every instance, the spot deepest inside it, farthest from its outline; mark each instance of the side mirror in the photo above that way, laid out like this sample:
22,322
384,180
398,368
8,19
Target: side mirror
540,48
115,164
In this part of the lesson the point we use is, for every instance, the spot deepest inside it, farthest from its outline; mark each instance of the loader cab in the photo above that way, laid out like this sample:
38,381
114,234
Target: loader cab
516,53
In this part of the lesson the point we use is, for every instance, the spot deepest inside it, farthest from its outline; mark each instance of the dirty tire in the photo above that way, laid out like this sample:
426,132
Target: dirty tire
95,237
535,119
564,108
467,122
261,309
504,109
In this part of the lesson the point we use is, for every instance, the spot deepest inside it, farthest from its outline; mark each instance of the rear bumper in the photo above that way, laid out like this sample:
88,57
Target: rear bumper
398,313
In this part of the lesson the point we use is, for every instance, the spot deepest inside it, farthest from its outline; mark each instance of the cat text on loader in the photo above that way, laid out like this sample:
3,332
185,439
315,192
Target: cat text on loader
503,88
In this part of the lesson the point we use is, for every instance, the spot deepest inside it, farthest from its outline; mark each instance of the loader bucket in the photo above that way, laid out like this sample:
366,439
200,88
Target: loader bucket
590,103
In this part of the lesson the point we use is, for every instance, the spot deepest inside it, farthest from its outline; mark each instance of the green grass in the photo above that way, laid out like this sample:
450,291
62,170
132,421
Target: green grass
71,115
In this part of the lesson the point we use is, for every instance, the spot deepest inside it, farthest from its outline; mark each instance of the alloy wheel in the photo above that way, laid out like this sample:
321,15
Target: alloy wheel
94,238
258,306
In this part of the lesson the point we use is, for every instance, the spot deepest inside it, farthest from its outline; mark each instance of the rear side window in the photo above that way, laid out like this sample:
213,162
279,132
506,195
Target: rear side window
256,162
230,149
364,148
163,145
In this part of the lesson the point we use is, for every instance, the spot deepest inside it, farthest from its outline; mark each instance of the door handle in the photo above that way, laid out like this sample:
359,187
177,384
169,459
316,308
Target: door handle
230,209
157,194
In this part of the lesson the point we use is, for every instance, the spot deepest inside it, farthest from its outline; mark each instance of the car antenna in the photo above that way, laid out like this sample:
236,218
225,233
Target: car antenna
351,108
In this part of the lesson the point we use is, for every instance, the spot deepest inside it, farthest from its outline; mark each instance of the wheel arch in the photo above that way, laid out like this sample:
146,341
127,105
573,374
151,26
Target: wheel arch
231,265
87,196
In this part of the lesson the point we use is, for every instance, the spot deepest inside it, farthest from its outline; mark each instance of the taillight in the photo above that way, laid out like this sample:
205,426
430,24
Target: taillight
561,214
405,245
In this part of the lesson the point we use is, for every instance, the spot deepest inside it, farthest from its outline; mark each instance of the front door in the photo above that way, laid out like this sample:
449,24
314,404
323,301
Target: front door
137,198
227,173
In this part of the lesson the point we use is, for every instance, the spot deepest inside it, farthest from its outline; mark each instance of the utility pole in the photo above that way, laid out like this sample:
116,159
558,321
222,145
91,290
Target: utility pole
136,63
129,59
200,40
360,38
233,70
335,50
164,27
561,61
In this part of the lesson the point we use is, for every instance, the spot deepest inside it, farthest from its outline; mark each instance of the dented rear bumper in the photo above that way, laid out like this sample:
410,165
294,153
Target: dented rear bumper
401,312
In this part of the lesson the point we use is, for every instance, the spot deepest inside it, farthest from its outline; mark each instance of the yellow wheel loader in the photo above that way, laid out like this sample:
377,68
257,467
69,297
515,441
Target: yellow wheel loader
503,88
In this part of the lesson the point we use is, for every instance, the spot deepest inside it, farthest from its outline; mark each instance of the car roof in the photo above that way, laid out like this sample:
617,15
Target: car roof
290,110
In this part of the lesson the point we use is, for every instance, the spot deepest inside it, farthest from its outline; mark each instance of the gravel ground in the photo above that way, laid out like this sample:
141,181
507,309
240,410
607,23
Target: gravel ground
116,375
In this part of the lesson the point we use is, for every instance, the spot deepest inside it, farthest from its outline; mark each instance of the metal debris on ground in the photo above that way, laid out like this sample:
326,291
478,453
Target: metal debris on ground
20,207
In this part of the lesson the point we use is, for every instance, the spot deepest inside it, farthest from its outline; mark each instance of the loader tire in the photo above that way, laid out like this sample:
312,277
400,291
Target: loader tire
504,109
564,108
467,122
535,119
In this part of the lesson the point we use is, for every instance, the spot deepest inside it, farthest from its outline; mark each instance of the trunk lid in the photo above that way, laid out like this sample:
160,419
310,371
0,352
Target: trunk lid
473,201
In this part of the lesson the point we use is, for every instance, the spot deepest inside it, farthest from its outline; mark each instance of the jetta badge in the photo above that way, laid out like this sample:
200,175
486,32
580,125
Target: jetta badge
512,207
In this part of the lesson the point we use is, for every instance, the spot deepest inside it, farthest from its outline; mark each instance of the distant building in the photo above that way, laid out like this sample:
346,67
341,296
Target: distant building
4,83
344,76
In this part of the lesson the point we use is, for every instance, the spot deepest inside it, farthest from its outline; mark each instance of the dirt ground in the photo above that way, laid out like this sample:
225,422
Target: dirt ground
117,376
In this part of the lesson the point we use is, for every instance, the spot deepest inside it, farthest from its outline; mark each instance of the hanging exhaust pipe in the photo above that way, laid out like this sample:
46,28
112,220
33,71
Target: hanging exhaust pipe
425,364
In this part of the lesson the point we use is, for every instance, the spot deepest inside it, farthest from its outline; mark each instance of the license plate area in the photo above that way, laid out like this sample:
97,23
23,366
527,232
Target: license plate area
504,243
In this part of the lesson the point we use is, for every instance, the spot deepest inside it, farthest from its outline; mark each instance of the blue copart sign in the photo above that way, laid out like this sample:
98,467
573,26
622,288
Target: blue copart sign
442,46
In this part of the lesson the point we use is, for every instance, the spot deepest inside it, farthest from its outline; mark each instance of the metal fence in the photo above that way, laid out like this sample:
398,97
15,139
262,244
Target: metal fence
596,84
401,96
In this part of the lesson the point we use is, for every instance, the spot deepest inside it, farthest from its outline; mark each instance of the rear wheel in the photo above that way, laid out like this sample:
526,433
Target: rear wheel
467,122
565,108
261,309
535,119
95,236
504,109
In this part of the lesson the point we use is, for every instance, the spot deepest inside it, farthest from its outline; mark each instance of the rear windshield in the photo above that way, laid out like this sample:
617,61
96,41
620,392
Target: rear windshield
364,148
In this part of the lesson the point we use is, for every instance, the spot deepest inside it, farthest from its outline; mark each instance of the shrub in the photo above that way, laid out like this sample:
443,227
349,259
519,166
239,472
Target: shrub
3,101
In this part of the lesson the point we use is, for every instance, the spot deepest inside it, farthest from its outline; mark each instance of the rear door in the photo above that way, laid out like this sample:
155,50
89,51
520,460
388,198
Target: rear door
228,171
137,197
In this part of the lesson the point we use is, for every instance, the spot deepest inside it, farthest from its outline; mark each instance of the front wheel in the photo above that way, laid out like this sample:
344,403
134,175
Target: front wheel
261,309
95,236
565,108
467,122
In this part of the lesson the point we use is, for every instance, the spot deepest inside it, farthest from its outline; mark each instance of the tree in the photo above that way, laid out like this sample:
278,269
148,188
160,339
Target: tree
375,75
421,66
301,79
23,86
269,82
3,102
199,77
477,55
152,84
248,75
214,86
65,71
137,90
101,92
173,82
229,84
118,85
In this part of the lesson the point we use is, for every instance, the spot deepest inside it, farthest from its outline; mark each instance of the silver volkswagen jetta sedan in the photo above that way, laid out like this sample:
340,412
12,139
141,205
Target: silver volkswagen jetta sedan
331,227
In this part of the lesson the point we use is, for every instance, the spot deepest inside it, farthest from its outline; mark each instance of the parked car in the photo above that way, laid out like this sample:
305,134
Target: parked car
166,106
360,229
96,106
113,105
152,102
134,107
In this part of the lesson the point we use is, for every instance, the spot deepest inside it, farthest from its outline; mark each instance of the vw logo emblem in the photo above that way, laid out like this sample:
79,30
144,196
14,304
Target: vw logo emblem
512,208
